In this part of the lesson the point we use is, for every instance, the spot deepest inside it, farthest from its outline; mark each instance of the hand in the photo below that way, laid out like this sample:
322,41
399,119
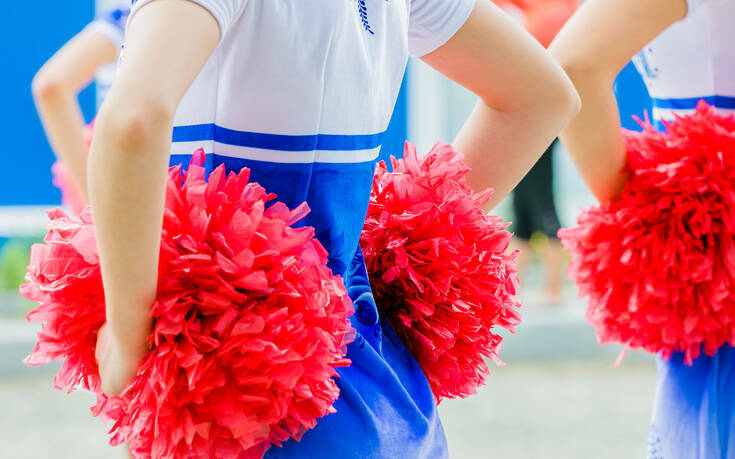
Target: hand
117,366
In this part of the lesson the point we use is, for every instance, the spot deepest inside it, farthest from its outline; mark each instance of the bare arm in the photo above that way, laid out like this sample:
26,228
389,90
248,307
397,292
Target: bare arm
593,47
55,89
168,43
525,97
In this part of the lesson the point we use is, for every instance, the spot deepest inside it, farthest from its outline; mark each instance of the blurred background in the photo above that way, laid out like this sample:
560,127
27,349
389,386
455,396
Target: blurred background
558,397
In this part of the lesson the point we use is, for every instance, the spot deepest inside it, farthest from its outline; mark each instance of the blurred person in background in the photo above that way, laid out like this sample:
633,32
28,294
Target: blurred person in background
90,55
534,207
684,52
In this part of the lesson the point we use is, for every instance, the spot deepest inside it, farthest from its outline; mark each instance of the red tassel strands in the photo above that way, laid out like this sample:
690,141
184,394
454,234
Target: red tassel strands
440,267
249,323
658,265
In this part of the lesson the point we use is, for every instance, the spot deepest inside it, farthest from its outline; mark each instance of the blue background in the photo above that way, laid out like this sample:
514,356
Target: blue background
30,34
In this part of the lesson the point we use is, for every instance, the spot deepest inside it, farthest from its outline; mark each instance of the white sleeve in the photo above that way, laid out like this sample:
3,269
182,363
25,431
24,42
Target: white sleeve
111,24
224,11
692,5
433,22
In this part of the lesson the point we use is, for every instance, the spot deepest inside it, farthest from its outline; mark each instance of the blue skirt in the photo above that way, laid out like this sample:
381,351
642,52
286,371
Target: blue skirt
694,408
386,408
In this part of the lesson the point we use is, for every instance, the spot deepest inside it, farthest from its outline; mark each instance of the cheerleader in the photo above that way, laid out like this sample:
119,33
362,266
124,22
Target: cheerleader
301,93
683,51
92,53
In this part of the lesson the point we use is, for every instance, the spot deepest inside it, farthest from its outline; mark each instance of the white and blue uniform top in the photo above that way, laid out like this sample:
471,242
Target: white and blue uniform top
109,23
691,60
694,407
301,92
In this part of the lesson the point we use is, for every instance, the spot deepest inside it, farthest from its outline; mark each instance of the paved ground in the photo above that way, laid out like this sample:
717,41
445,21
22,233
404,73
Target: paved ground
39,422
557,410
564,410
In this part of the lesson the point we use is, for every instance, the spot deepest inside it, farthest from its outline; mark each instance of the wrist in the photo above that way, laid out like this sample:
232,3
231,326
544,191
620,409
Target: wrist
131,342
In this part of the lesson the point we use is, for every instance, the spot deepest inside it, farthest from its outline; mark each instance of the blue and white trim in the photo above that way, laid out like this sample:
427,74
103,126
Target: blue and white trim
666,109
689,103
324,148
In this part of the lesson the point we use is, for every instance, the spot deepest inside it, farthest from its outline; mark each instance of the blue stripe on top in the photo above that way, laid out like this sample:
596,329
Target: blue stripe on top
326,142
690,103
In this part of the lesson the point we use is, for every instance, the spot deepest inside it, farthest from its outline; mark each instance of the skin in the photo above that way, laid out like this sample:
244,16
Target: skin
55,89
168,42
525,98
593,47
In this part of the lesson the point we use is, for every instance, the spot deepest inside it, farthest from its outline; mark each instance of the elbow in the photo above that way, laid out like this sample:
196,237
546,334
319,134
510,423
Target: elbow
584,73
572,102
47,87
549,94
131,128
561,98
568,81
577,66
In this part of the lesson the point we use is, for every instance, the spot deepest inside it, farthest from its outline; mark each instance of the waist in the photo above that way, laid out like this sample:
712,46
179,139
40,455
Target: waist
277,148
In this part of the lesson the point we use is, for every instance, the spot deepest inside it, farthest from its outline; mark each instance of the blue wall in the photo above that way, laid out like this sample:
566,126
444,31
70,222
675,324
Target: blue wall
30,33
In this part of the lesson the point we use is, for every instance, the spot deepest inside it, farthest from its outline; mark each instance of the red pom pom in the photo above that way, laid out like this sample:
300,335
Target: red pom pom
249,323
62,179
658,265
439,267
